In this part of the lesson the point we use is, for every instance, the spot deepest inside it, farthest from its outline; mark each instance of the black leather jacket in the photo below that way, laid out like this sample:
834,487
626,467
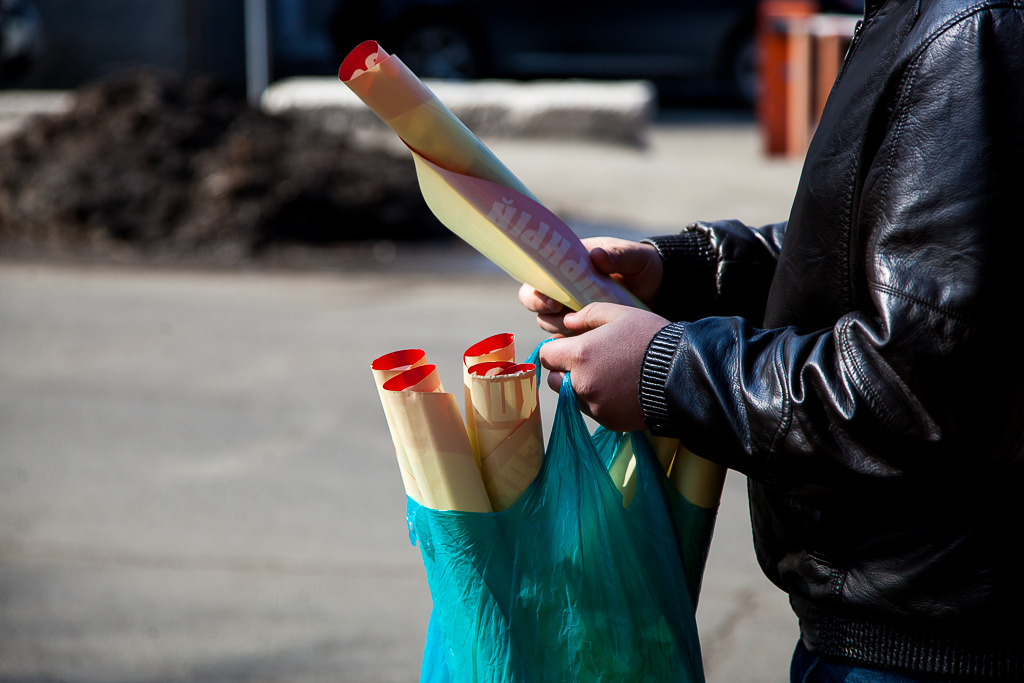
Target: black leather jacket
867,379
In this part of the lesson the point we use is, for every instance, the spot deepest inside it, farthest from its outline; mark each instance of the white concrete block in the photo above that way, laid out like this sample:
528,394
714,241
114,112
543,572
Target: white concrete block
612,111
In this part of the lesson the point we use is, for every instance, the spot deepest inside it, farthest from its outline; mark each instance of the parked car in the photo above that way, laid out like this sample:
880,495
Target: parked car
666,41
21,37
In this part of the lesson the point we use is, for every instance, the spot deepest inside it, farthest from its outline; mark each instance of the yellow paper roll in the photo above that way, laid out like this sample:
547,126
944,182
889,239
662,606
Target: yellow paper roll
433,435
509,439
497,347
383,369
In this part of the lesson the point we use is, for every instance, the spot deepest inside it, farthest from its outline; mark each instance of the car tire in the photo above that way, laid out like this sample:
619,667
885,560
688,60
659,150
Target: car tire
440,50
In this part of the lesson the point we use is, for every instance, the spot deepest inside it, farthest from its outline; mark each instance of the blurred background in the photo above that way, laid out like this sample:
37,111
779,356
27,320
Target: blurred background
63,43
204,241
224,131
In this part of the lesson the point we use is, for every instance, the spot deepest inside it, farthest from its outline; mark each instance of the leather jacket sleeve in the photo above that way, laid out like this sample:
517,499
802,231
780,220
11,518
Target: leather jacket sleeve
915,375
714,268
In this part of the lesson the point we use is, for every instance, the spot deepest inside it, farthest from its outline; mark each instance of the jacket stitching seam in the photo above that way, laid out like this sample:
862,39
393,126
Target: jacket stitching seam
906,86
851,190
889,289
915,61
848,211
957,18
904,90
908,80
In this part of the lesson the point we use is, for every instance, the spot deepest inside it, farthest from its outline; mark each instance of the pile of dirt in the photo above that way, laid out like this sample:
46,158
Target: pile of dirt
161,165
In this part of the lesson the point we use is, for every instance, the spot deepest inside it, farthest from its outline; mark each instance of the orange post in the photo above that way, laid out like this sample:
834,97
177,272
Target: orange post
783,58
832,36
828,56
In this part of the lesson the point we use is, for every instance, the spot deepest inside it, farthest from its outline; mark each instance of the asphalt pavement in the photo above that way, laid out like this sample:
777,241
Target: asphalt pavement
196,479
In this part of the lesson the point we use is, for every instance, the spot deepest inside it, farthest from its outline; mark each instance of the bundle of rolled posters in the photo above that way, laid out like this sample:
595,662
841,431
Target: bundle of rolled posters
482,463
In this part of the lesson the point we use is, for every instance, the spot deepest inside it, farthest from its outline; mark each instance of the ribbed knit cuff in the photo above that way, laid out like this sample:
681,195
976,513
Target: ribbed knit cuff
654,376
691,245
689,285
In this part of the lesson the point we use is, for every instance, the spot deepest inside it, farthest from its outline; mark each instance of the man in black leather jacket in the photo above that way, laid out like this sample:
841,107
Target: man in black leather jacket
859,362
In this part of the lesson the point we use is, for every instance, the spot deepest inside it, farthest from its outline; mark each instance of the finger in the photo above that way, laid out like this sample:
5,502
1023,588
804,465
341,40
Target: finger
553,324
555,380
603,242
600,249
537,302
603,261
624,258
533,300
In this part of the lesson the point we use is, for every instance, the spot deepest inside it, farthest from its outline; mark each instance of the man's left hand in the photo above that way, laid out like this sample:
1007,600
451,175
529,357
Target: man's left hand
604,355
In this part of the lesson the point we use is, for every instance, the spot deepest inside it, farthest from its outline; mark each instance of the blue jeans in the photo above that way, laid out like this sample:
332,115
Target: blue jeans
810,668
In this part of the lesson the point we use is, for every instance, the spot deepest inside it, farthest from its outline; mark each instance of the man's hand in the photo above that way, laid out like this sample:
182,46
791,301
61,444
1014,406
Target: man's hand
604,351
635,266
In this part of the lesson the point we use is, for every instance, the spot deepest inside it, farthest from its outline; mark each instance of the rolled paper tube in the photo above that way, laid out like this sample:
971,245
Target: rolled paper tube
471,191
623,465
383,369
494,368
664,450
422,121
509,436
430,428
497,347
622,469
518,234
422,378
699,481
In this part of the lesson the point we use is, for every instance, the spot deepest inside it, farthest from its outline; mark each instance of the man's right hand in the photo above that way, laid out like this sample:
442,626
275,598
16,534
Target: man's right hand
635,266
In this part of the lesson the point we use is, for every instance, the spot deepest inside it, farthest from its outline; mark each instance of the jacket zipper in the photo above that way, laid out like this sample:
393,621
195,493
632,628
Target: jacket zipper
849,52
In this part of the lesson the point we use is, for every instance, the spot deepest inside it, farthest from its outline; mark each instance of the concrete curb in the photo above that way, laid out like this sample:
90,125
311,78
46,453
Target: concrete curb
608,111
17,105
619,112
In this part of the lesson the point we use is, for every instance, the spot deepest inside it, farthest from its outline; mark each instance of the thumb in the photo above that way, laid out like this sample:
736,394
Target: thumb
613,260
557,355
592,316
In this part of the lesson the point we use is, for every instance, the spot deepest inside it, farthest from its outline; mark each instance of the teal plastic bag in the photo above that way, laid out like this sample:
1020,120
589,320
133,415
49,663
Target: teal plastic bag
566,584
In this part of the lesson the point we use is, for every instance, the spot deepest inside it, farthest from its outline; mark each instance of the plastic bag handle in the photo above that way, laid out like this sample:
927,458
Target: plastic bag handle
565,392
535,356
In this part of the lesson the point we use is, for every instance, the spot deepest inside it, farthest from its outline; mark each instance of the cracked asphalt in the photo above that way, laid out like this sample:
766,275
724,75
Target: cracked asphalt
196,480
